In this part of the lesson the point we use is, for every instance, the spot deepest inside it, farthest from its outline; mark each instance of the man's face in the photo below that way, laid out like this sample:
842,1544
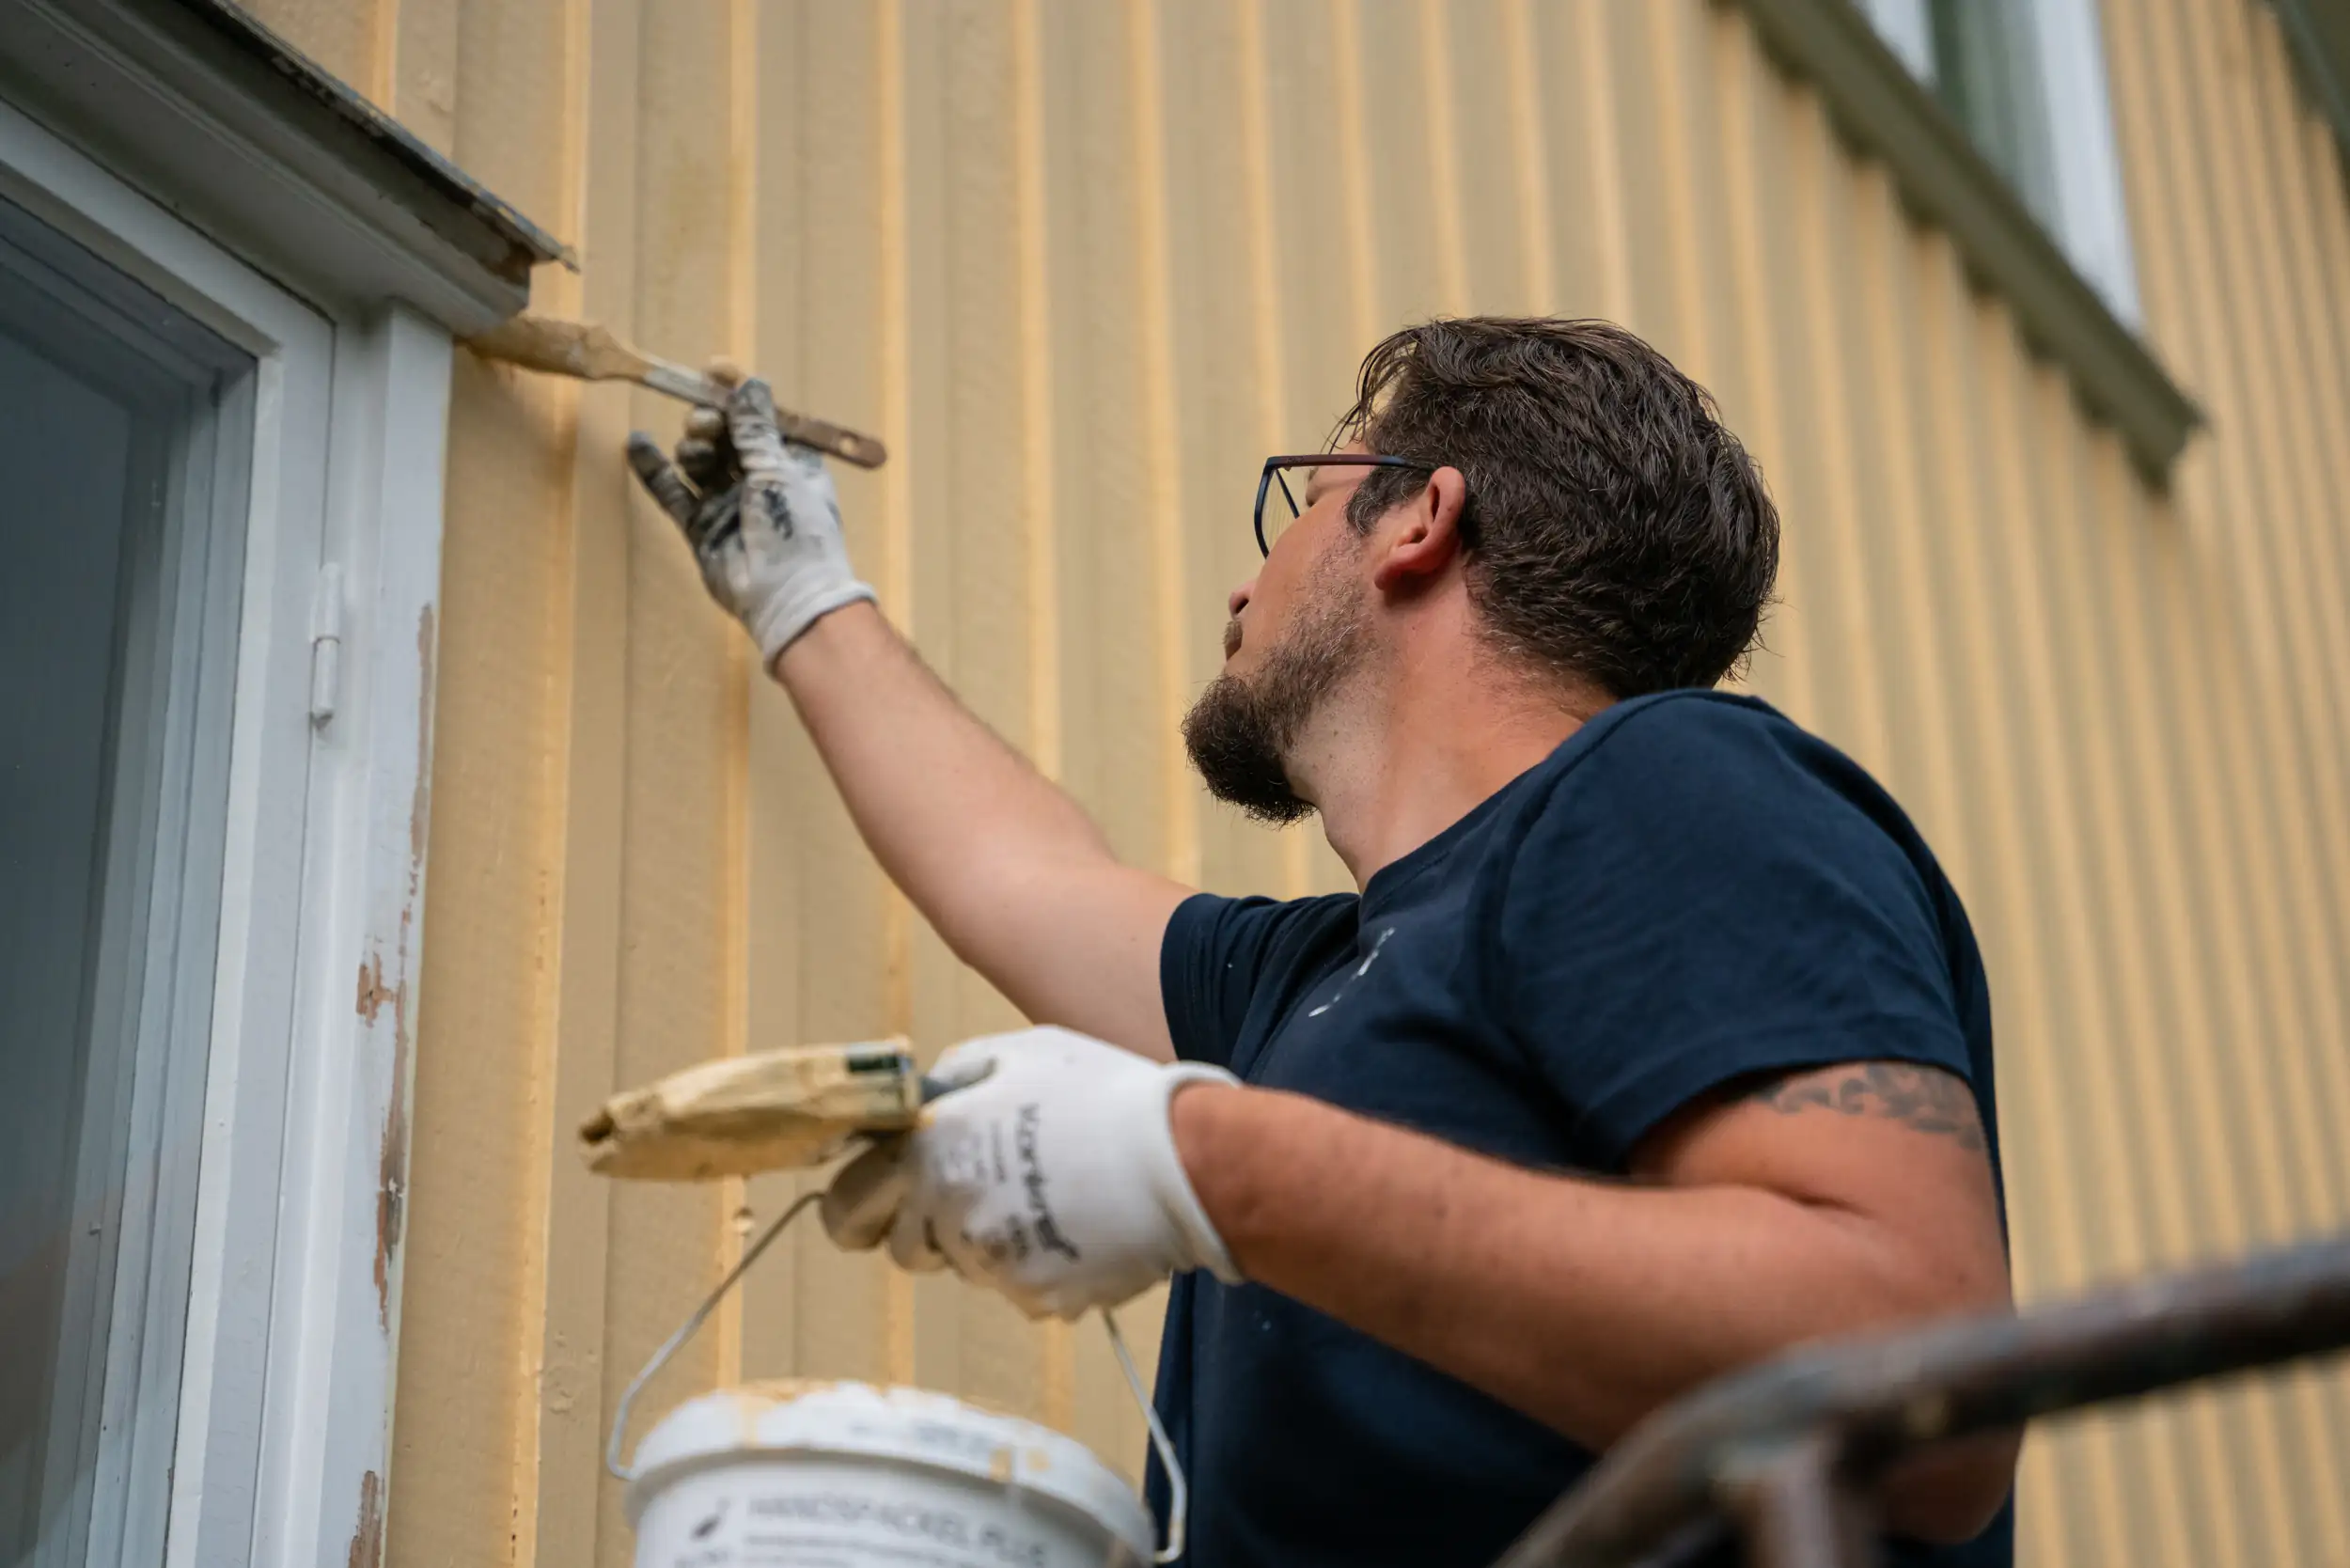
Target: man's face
1297,630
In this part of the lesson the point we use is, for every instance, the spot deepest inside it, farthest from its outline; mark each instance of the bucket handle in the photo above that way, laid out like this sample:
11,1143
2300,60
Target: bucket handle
1178,1493
612,1448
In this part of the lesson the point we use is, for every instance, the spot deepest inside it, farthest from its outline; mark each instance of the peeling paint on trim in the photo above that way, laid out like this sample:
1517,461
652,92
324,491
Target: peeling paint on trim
367,1540
391,1191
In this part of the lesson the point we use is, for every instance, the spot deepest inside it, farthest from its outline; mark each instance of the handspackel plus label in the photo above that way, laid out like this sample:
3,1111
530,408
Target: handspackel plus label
840,1528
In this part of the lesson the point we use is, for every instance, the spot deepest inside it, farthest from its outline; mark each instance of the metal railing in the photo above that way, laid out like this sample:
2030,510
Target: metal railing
1788,1456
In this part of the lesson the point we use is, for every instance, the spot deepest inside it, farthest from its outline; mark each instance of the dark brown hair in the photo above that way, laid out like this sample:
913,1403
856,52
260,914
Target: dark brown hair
1616,532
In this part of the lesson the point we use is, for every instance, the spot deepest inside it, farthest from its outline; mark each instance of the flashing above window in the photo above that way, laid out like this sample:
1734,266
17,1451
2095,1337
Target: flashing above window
2067,275
232,128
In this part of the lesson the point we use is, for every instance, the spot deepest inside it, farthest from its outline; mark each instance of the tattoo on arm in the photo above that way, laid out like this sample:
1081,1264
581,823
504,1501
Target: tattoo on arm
1926,1099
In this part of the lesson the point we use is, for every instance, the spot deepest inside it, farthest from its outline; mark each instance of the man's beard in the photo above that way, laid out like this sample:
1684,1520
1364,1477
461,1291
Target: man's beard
1242,728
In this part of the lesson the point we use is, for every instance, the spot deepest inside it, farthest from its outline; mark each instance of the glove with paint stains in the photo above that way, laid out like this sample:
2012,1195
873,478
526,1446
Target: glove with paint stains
760,514
1048,1174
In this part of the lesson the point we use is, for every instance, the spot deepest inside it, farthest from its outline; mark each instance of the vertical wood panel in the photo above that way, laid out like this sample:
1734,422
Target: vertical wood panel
347,37
2216,489
830,948
481,1126
1162,460
1411,196
1677,52
1842,521
1268,328
2103,541
682,688
2221,487
2049,1171
417,66
2314,388
2136,552
1220,414
2255,495
474,1147
1627,106
1927,767
2096,1092
2280,397
2255,292
558,1472
1698,254
1489,112
1781,669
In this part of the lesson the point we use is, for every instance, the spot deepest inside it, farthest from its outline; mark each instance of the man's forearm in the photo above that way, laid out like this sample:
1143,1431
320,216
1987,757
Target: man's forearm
1585,1304
999,858
918,769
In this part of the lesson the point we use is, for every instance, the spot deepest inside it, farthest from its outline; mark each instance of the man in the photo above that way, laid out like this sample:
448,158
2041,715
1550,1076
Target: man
1653,1041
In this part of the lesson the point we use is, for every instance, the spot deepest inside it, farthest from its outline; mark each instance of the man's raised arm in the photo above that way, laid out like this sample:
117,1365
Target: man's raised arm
1011,871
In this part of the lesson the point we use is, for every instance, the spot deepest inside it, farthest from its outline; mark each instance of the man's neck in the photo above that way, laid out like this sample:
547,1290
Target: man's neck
1388,776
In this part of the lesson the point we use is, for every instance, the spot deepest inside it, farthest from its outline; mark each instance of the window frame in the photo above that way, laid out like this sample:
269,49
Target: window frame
147,983
190,145
282,1437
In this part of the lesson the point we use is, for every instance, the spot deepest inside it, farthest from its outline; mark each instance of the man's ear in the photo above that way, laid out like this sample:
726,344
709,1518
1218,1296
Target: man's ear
1423,536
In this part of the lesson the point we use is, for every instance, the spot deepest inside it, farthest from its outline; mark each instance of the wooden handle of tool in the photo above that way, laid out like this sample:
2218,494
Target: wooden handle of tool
823,435
591,353
846,445
579,349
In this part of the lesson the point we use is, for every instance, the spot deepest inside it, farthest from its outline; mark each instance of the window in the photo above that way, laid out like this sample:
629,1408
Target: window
127,430
228,295
165,423
2026,80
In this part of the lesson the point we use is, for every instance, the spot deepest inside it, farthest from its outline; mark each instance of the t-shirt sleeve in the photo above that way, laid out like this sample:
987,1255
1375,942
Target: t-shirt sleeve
1699,901
1214,954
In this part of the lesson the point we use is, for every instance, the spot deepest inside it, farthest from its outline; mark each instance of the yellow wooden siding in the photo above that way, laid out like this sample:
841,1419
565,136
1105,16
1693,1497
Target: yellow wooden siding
1083,263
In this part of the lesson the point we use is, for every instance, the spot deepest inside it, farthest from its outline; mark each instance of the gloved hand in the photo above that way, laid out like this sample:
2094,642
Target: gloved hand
760,515
1052,1178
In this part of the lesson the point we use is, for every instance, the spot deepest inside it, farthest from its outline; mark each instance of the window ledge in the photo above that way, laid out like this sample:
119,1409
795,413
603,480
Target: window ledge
1883,111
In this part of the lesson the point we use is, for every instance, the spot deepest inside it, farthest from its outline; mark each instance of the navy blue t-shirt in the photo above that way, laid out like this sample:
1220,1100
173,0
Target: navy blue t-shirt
1688,891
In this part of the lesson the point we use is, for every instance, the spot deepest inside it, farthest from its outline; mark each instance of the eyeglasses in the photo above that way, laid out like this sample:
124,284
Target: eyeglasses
1274,475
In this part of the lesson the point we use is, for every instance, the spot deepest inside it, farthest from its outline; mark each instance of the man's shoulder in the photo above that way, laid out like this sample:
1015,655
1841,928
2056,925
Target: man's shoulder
1249,931
1675,751
1693,772
1664,722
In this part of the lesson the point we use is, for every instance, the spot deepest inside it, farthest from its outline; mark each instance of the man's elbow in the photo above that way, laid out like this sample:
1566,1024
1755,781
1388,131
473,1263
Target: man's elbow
1951,1493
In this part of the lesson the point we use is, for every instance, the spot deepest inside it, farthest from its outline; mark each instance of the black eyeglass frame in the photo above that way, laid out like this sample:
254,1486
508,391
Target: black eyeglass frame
1273,466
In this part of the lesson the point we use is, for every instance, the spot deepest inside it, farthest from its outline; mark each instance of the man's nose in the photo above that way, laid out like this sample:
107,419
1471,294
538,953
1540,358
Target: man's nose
1238,600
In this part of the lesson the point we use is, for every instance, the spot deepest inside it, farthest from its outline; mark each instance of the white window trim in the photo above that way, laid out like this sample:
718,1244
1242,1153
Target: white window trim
284,1408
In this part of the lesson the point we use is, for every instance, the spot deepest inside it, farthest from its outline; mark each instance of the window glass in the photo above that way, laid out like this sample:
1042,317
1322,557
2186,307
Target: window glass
2024,79
1986,72
112,440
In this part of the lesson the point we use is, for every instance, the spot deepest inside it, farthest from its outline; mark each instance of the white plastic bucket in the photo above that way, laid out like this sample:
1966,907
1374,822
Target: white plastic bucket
846,1475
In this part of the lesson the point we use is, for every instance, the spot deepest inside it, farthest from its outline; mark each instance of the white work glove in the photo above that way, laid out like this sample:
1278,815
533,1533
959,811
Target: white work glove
1052,1178
760,515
